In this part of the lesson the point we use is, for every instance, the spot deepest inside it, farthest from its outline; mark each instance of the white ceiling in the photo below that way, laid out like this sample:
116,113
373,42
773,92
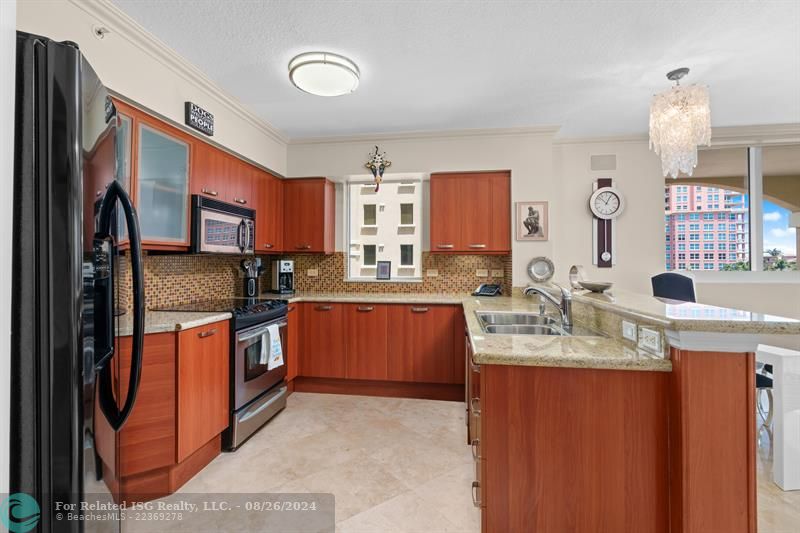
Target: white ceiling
589,66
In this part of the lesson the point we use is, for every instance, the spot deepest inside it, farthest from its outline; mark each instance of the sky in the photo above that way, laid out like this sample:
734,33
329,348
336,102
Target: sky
777,233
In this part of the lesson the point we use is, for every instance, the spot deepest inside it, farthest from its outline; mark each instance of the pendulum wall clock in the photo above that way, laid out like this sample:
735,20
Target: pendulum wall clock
606,204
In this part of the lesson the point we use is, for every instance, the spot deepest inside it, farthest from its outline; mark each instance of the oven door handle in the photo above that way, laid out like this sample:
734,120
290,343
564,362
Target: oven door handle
259,332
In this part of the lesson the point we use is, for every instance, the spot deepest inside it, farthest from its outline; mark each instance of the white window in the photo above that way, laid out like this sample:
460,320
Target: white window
384,226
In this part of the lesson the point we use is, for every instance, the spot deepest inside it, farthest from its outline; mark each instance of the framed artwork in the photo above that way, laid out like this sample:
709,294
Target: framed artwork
532,221
384,270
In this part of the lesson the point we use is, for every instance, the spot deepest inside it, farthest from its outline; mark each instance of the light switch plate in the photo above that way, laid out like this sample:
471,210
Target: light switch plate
629,330
433,272
312,272
650,340
497,273
482,273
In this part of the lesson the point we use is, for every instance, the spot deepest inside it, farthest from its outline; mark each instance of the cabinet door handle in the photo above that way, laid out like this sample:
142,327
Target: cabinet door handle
475,368
419,309
364,309
475,445
323,307
204,334
475,410
303,246
240,201
291,308
477,246
445,246
476,491
209,192
268,245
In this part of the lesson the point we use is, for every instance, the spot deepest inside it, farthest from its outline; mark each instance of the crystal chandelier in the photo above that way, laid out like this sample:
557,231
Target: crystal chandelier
680,121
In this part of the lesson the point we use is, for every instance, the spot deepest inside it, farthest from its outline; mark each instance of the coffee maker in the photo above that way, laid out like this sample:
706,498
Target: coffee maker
282,276
252,269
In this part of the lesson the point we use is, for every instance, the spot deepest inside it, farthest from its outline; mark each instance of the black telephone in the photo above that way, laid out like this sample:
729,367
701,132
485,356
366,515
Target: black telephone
488,289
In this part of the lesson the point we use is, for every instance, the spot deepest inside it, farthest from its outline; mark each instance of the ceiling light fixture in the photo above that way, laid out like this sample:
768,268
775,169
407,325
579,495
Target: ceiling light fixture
324,74
680,121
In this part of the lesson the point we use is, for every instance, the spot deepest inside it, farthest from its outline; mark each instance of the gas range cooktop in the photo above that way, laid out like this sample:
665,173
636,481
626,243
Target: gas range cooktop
245,311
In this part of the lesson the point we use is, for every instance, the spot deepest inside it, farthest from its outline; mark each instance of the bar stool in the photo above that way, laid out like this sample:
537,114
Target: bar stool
674,286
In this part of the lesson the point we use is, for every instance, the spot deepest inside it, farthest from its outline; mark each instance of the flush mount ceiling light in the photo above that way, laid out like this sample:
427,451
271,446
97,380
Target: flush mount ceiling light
324,74
680,121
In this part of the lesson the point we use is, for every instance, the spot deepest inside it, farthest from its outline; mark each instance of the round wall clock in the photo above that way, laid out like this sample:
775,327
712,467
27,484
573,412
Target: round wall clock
606,204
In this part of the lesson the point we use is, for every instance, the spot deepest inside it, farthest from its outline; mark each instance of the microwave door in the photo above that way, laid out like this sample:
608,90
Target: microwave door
220,233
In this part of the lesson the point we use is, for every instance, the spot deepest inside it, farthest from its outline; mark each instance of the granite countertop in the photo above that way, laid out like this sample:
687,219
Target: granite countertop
688,316
164,321
579,351
596,351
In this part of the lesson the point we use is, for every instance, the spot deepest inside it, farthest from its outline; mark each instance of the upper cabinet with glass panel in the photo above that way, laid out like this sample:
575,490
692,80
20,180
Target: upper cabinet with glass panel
162,191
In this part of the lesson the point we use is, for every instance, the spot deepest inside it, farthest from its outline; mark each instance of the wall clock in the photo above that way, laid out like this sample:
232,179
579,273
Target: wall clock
606,204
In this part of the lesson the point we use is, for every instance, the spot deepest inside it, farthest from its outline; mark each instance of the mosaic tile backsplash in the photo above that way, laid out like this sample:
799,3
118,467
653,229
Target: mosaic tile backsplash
181,278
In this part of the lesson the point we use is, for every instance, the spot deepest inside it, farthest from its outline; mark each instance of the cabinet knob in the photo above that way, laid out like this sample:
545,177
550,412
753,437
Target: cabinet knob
419,309
444,246
268,245
240,201
204,334
209,192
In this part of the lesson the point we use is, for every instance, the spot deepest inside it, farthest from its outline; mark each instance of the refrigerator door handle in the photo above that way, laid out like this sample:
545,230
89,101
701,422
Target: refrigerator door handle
108,404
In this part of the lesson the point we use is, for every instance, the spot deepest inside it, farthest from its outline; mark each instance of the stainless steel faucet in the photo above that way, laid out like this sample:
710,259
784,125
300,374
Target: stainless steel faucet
564,306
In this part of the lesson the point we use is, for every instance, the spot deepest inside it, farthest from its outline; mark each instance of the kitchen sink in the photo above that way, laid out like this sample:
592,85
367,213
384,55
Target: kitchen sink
515,319
522,329
502,323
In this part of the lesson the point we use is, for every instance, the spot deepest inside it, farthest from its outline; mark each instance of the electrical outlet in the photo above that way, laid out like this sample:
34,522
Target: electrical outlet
482,273
650,340
433,272
312,272
497,272
629,330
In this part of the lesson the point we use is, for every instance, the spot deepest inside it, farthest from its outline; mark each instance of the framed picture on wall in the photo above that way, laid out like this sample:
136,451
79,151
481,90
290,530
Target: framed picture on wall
532,221
384,270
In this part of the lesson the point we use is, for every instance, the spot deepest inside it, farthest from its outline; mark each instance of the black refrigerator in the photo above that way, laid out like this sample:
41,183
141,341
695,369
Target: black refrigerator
74,228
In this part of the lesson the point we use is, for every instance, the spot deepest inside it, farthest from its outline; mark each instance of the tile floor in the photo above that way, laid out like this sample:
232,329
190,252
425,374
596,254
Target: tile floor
394,465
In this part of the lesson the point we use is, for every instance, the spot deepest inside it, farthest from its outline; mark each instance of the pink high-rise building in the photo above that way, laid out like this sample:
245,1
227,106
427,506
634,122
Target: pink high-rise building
706,227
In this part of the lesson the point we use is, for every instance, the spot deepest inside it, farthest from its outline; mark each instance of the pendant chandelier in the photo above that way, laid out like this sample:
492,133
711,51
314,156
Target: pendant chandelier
680,121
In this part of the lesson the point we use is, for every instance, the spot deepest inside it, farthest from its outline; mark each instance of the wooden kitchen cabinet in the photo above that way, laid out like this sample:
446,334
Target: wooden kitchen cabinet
470,213
367,341
203,386
181,409
241,176
323,341
308,219
269,213
423,343
209,172
294,323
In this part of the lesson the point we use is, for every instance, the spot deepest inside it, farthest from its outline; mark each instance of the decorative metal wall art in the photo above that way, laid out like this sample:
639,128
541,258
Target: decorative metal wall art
377,163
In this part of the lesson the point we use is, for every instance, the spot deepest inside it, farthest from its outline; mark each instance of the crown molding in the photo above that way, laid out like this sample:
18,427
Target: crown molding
127,28
758,135
544,131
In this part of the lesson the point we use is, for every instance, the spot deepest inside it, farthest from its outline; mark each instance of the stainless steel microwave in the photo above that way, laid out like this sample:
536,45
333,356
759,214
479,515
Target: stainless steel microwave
221,228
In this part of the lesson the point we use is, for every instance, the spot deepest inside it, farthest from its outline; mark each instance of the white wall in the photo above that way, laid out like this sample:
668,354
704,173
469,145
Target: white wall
135,64
528,155
639,229
7,74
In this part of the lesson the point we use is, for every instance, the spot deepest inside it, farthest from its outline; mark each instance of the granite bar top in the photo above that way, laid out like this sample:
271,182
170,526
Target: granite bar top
164,321
376,298
687,316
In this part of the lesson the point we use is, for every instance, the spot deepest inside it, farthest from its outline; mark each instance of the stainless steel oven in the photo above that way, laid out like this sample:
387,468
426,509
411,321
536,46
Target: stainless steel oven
257,392
221,228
